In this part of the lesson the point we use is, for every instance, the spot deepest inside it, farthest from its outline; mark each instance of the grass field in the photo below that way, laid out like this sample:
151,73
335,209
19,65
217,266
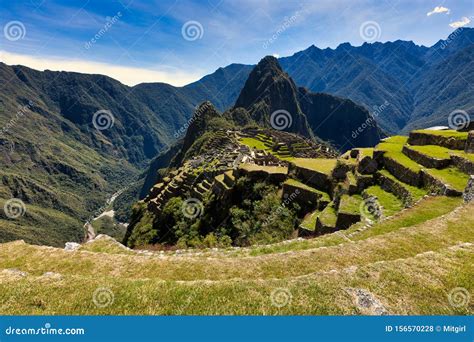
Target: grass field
409,270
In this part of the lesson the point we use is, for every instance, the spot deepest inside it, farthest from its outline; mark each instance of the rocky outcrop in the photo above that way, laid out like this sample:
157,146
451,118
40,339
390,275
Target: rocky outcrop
468,194
425,138
367,303
425,160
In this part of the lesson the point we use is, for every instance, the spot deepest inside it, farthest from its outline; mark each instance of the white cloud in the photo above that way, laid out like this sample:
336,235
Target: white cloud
276,55
127,75
464,21
438,9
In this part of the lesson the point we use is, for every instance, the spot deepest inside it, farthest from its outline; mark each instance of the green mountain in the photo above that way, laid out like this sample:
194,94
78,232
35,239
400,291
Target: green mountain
52,154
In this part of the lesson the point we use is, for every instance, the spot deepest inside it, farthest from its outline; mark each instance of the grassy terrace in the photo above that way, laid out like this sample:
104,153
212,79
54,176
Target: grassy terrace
316,164
298,184
423,211
452,176
433,151
265,145
309,222
468,156
328,216
267,169
393,147
449,133
415,192
350,204
220,179
389,202
366,152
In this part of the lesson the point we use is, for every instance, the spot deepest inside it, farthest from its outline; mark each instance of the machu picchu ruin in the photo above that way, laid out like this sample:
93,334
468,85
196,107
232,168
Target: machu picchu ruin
331,193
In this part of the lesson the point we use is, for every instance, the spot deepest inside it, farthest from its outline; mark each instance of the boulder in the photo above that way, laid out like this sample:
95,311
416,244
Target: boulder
72,246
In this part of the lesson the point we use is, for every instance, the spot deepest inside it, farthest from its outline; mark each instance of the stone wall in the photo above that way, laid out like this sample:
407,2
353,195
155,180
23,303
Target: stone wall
469,148
402,173
395,188
306,199
427,161
367,165
345,220
463,164
417,138
437,186
319,180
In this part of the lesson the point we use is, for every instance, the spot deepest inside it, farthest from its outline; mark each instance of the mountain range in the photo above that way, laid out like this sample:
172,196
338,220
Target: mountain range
52,152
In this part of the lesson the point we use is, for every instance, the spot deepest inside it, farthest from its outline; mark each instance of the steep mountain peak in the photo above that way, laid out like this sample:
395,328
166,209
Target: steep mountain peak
268,90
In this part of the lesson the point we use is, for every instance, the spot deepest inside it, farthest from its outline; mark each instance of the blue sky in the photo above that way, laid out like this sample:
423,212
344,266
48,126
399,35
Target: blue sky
144,41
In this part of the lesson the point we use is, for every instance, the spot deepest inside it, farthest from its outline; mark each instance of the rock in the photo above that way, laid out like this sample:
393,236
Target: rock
71,246
468,194
366,302
52,275
15,272
469,148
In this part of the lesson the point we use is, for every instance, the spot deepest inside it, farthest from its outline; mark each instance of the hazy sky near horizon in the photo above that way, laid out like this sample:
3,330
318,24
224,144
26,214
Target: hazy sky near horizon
179,41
